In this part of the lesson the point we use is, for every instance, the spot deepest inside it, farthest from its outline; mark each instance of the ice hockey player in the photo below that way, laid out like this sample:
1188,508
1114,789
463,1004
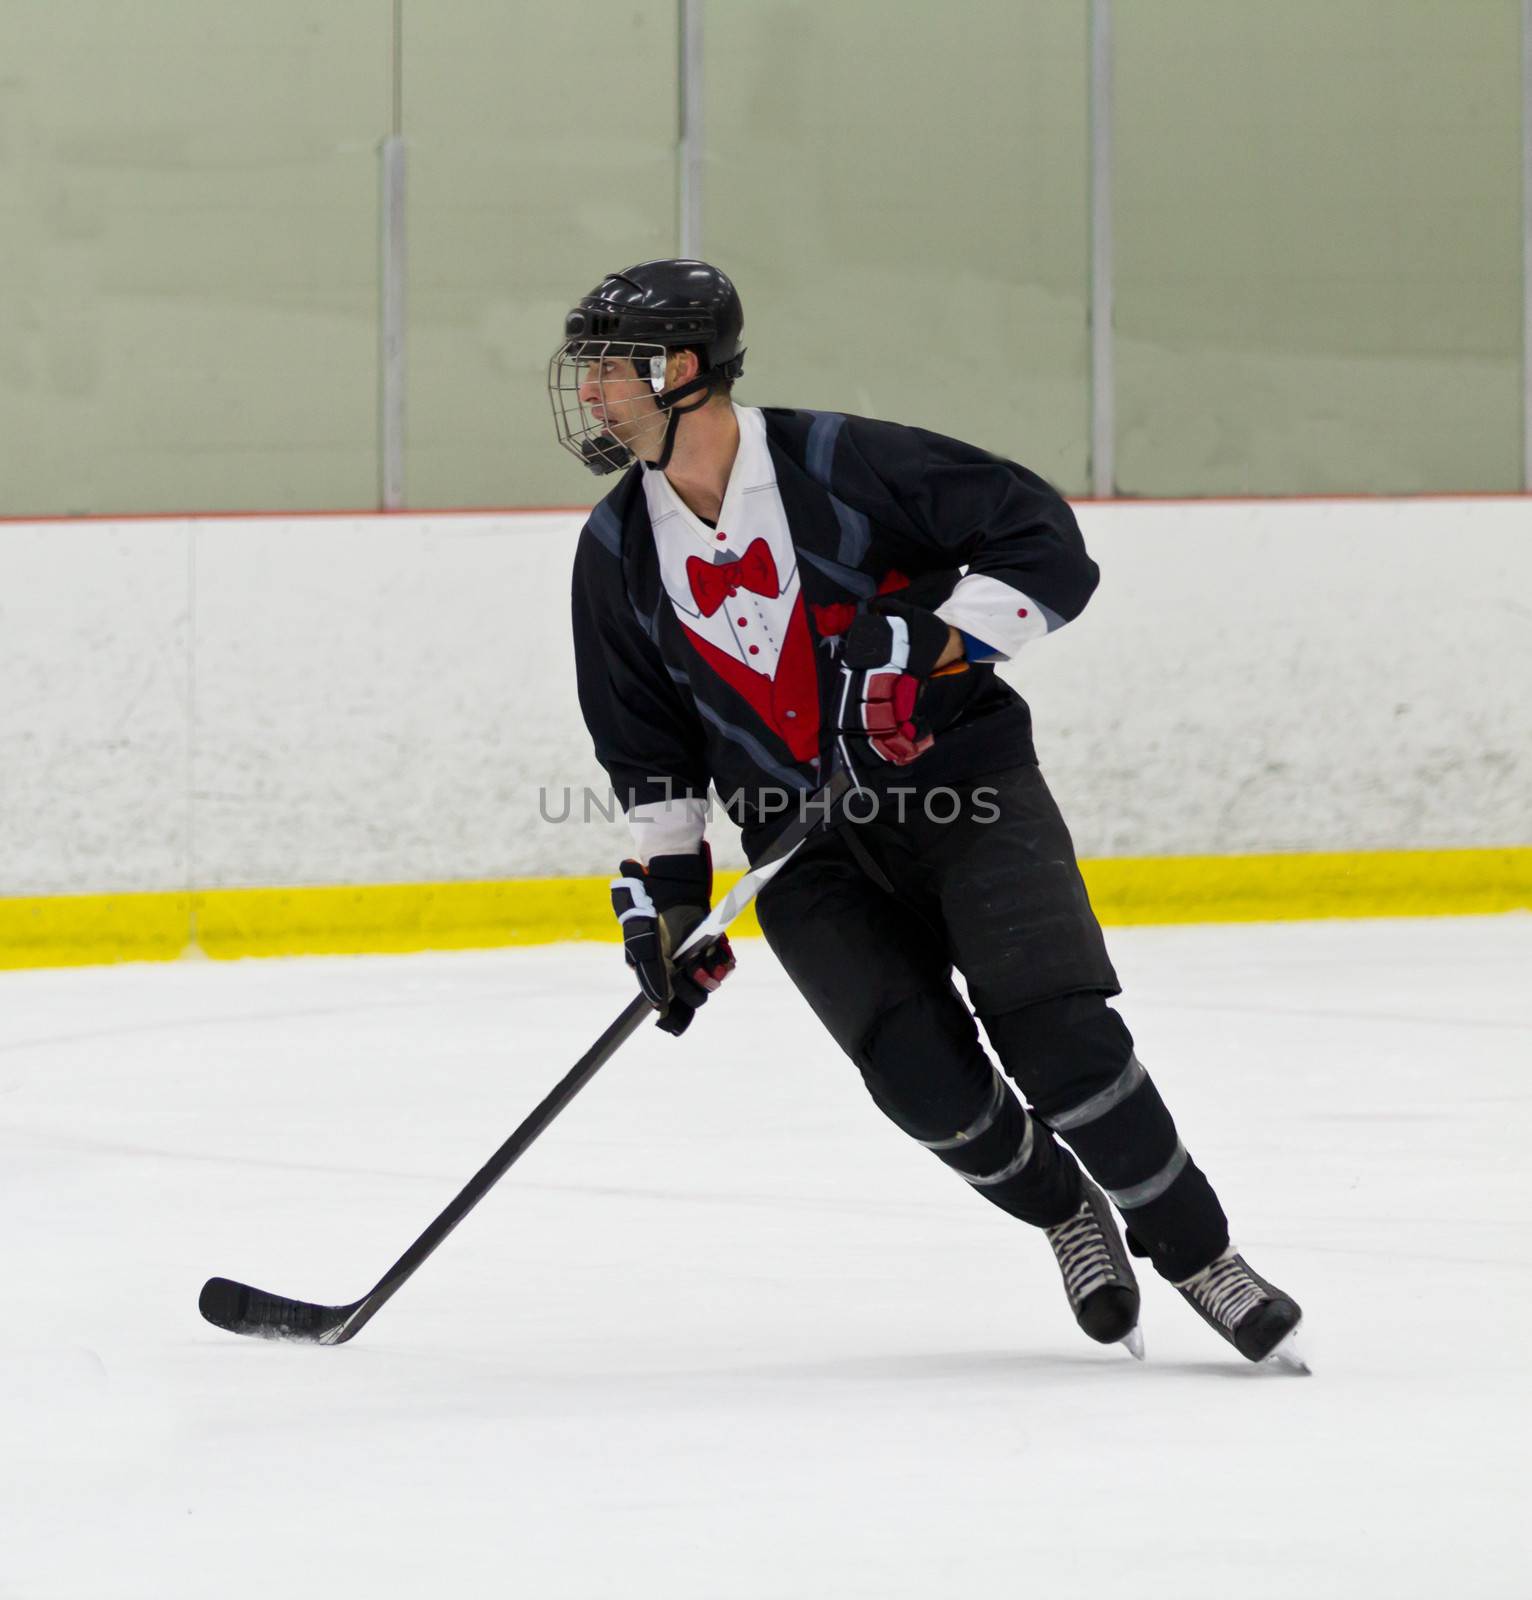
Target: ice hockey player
765,590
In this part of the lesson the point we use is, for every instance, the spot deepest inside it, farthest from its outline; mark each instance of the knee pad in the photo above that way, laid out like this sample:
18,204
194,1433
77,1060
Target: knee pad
1061,1052
923,1065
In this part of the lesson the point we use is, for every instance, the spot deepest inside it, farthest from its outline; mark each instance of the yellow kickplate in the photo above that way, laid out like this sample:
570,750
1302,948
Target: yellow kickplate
401,916
79,930
1280,888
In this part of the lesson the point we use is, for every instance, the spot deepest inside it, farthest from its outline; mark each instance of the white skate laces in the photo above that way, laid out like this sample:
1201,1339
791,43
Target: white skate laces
1084,1257
1098,1277
1226,1291
1255,1316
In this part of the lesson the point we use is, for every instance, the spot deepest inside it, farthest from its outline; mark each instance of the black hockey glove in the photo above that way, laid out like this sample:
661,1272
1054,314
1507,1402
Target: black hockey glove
658,906
890,651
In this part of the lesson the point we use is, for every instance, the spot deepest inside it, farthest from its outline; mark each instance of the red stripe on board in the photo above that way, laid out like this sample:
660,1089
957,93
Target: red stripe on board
550,511
241,516
1295,499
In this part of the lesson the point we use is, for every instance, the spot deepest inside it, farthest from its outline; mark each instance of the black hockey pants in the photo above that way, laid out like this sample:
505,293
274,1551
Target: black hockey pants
870,927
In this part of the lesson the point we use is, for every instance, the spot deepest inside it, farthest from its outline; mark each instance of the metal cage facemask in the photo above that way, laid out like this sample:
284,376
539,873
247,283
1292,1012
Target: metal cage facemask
629,414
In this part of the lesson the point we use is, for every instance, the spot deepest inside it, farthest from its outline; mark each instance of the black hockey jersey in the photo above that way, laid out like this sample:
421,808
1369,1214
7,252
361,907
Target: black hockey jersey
709,654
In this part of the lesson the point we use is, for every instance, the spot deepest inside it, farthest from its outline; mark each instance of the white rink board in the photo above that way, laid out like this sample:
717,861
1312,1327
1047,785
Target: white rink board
245,702
95,706
724,1334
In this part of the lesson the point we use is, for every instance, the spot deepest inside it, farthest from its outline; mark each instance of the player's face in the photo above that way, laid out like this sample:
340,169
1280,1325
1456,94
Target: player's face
620,400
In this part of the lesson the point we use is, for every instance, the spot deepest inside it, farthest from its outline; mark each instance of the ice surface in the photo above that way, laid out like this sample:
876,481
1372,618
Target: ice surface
723,1332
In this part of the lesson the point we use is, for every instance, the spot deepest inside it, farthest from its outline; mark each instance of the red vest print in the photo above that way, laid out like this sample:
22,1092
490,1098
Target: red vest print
789,702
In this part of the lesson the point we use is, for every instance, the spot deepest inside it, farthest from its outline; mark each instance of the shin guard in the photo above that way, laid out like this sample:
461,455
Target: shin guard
1074,1060
924,1067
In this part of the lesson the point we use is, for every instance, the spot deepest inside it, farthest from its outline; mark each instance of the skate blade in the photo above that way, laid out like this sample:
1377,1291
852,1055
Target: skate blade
1288,1356
1133,1343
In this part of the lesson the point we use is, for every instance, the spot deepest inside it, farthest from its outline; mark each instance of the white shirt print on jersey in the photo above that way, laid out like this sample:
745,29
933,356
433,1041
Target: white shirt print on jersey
749,626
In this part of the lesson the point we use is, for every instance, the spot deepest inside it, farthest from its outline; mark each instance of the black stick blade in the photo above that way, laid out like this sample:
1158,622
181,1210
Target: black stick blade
238,1308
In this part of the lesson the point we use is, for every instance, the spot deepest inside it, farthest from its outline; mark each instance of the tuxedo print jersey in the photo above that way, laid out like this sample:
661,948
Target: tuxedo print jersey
707,653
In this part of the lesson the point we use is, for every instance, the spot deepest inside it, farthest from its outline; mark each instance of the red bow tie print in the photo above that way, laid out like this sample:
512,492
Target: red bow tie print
755,571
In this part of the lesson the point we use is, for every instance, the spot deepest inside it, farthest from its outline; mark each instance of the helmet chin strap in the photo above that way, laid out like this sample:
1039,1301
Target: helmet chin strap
667,402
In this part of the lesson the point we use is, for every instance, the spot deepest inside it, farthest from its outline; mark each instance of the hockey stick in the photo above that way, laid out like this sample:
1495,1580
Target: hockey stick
241,1309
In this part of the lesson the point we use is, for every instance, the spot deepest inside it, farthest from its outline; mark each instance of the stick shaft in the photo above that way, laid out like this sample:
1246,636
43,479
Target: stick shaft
602,1051
626,1025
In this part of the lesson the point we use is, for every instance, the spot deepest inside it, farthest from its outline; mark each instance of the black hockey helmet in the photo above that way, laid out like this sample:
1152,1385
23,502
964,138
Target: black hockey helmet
642,314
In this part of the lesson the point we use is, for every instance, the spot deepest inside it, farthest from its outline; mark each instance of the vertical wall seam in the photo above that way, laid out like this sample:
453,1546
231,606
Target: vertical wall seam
690,152
391,331
191,735
1526,244
391,309
396,126
1103,367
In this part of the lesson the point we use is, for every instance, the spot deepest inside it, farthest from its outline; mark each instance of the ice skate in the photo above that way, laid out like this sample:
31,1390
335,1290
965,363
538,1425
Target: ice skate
1098,1277
1255,1317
